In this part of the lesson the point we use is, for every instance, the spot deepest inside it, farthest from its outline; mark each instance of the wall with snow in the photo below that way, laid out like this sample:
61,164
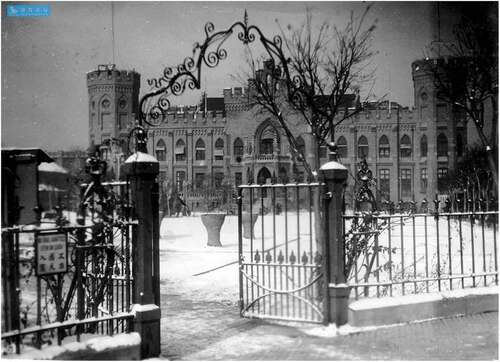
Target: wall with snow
118,347
410,308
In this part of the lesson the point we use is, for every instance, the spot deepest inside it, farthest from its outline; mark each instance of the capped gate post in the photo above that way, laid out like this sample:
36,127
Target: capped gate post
142,170
335,176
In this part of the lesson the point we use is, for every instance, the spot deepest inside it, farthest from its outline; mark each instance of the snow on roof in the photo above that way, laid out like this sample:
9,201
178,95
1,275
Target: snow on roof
51,167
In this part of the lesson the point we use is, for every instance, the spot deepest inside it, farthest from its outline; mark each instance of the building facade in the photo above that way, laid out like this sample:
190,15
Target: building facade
230,139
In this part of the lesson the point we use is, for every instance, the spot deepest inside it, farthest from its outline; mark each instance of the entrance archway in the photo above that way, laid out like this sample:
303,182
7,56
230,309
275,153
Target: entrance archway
263,176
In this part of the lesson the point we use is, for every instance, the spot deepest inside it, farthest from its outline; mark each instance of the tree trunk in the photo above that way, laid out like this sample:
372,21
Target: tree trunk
489,155
318,216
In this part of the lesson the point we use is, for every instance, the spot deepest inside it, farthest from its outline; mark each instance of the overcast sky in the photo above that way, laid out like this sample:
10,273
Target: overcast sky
45,59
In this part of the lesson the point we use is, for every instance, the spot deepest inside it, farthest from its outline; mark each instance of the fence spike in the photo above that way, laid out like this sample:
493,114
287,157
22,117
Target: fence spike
269,258
305,259
281,258
257,256
292,258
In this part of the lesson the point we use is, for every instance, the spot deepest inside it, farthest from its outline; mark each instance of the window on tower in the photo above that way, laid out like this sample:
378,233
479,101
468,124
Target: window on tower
238,149
384,183
384,149
180,176
342,147
362,147
442,145
180,151
442,178
200,150
406,182
161,151
219,150
405,146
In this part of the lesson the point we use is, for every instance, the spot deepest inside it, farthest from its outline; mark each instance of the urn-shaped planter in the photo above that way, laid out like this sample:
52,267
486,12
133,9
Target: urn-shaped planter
213,223
248,220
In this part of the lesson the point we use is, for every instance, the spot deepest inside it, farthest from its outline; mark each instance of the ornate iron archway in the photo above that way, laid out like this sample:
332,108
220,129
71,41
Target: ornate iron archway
187,75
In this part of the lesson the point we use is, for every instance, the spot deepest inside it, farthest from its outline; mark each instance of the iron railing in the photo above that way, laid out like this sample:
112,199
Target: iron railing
91,296
281,262
409,253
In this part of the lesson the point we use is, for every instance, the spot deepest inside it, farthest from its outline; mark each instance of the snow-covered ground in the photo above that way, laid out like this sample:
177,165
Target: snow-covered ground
184,252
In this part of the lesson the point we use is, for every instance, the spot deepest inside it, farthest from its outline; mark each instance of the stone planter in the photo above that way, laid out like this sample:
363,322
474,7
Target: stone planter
213,223
248,224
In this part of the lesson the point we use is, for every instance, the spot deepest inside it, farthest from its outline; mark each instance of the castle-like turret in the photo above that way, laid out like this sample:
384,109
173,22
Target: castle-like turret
113,106
113,102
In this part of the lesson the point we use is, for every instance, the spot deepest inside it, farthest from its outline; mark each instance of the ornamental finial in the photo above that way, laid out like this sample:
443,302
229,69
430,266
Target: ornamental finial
245,18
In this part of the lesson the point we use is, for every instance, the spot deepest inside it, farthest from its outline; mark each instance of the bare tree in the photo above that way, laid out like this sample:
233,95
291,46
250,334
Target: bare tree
317,78
469,79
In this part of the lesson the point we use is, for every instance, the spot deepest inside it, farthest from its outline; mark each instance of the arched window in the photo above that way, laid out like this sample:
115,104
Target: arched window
362,147
460,145
342,147
161,151
238,149
384,149
423,146
180,150
199,150
219,149
405,146
267,139
442,145
301,146
105,113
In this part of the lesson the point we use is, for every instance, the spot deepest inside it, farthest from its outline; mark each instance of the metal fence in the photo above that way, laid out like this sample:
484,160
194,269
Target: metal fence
281,262
410,253
92,296
62,280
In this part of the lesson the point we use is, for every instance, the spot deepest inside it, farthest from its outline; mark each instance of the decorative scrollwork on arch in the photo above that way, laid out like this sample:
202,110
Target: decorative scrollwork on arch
187,75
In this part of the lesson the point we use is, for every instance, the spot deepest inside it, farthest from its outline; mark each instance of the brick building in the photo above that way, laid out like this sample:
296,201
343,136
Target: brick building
230,139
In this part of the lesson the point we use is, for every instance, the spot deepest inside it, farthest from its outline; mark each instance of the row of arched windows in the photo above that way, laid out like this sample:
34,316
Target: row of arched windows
384,148
200,148
405,146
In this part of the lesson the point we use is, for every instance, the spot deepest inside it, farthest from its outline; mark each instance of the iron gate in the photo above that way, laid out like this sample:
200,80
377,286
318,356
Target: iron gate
281,267
93,293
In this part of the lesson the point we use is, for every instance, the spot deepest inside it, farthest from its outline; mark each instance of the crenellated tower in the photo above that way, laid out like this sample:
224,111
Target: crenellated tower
113,106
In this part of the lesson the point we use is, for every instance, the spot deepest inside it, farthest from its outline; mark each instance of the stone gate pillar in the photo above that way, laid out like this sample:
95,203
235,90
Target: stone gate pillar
335,177
142,170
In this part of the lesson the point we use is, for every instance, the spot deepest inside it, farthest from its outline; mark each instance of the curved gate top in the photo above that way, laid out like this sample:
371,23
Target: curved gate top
187,75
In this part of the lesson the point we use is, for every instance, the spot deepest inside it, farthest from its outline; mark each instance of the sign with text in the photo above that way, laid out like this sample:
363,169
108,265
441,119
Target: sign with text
51,253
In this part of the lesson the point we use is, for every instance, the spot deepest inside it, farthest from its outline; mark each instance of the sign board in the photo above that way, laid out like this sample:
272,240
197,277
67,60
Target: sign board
51,253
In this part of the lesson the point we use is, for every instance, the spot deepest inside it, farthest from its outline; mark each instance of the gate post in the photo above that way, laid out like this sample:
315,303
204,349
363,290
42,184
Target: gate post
335,176
142,170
